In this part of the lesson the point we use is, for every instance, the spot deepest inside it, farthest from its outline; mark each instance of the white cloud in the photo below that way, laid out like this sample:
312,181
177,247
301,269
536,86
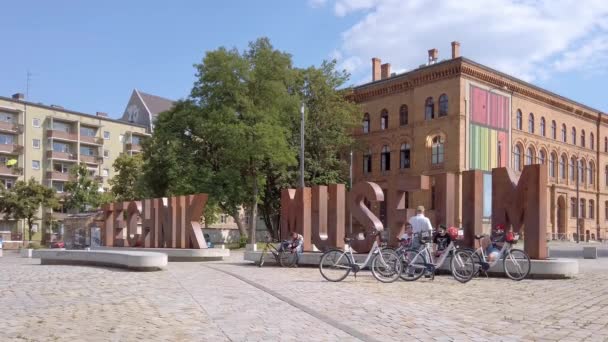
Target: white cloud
527,38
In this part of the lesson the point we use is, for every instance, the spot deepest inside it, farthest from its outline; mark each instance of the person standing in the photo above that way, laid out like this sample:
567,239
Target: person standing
421,226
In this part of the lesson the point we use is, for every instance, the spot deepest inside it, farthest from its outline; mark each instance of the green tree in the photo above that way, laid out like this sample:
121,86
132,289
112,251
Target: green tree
127,185
24,200
83,190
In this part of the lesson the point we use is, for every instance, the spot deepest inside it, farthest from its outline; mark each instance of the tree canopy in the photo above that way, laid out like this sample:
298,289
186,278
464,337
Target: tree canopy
128,185
83,191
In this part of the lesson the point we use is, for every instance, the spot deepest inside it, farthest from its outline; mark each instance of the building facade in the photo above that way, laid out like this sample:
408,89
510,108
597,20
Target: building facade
44,142
455,115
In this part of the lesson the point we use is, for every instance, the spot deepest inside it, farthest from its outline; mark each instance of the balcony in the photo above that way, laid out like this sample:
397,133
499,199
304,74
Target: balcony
11,127
61,156
91,140
99,179
11,148
59,176
90,159
13,171
133,147
61,135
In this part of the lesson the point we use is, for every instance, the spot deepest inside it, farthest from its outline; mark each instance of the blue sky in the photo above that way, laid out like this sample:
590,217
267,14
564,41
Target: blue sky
88,56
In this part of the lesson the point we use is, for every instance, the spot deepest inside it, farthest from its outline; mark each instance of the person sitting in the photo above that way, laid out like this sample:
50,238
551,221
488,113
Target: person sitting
497,239
295,244
441,240
405,240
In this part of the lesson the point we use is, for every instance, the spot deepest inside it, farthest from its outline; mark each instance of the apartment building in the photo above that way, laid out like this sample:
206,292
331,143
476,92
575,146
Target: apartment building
453,115
44,141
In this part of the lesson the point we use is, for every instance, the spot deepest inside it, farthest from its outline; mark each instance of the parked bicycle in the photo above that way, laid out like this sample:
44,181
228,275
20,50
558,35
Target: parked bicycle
516,263
417,262
336,265
283,257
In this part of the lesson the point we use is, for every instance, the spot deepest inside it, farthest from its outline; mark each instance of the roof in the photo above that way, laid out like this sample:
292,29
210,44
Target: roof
155,104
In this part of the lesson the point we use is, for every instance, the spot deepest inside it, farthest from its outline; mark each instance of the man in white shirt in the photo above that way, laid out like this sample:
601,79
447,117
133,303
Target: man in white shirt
420,224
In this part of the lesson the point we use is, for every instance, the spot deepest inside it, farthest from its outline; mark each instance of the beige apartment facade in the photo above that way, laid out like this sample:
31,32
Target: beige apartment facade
47,140
455,115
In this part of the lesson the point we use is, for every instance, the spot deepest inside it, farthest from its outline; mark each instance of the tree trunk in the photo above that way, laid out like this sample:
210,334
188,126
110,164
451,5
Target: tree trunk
239,223
30,225
254,209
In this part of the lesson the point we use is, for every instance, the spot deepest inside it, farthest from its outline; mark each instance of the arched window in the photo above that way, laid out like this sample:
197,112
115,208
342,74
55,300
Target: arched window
553,130
583,138
591,209
573,207
405,156
518,122
403,115
606,175
542,126
581,171
385,159
572,170
384,119
366,123
367,162
529,156
564,136
542,156
517,158
552,164
531,123
591,173
429,109
591,141
443,105
437,150
573,136
582,208
562,167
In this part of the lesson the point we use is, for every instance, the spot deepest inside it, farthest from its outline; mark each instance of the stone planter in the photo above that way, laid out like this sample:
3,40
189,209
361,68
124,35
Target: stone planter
26,252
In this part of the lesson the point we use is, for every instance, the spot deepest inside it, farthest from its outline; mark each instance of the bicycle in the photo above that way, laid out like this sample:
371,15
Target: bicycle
417,262
336,265
516,263
282,257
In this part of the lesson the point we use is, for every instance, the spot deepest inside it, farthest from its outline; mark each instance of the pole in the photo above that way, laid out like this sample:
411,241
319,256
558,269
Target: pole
578,202
350,184
302,146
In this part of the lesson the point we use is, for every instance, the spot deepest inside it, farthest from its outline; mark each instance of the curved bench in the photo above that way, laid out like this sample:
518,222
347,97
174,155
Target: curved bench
132,260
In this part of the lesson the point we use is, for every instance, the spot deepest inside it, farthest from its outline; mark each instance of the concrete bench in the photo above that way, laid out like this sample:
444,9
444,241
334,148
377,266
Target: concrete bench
132,260
590,252
177,254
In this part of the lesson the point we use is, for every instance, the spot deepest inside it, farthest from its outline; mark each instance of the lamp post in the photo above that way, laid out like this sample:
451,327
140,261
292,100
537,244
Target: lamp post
302,146
578,201
350,184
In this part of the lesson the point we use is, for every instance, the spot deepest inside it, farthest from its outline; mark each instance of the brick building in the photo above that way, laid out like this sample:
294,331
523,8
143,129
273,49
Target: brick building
455,115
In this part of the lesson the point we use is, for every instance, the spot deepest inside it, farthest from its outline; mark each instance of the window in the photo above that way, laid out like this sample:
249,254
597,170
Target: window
591,209
591,141
564,137
443,105
383,213
88,131
366,123
518,123
606,144
105,172
403,115
106,135
121,138
572,169
367,162
61,147
552,162
573,207
385,159
36,122
437,150
7,139
36,143
531,123
562,167
106,153
542,126
34,227
581,171
606,175
553,130
36,164
591,172
541,157
58,186
606,210
61,126
573,136
583,138
87,150
529,156
61,168
384,119
517,158
582,208
405,156
8,183
429,109
136,139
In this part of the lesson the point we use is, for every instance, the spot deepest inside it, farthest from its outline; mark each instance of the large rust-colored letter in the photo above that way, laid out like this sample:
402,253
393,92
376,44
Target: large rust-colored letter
472,205
328,216
362,240
522,203
295,214
196,206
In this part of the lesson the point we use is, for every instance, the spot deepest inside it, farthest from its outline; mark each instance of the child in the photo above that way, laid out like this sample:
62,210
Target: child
441,240
405,239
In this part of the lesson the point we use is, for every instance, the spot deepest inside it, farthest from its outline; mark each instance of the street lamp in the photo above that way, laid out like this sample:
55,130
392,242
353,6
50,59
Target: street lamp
302,145
350,184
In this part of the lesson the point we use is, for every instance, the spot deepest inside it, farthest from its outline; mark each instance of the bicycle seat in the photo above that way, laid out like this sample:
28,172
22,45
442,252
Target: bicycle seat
478,237
347,240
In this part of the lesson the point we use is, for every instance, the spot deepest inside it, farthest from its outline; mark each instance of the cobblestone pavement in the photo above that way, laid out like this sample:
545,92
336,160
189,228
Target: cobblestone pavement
236,301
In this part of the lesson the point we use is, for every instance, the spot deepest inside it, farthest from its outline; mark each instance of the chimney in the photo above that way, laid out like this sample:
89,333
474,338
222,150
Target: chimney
376,68
18,96
455,49
102,114
385,71
433,55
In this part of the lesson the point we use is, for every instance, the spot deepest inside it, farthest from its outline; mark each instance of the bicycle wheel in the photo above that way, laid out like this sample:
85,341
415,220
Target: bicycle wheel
335,265
462,266
516,264
413,265
261,262
288,258
386,266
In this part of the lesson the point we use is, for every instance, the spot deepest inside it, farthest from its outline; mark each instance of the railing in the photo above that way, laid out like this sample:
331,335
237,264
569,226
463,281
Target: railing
61,135
55,175
11,127
89,159
91,140
133,147
11,171
61,155
11,148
